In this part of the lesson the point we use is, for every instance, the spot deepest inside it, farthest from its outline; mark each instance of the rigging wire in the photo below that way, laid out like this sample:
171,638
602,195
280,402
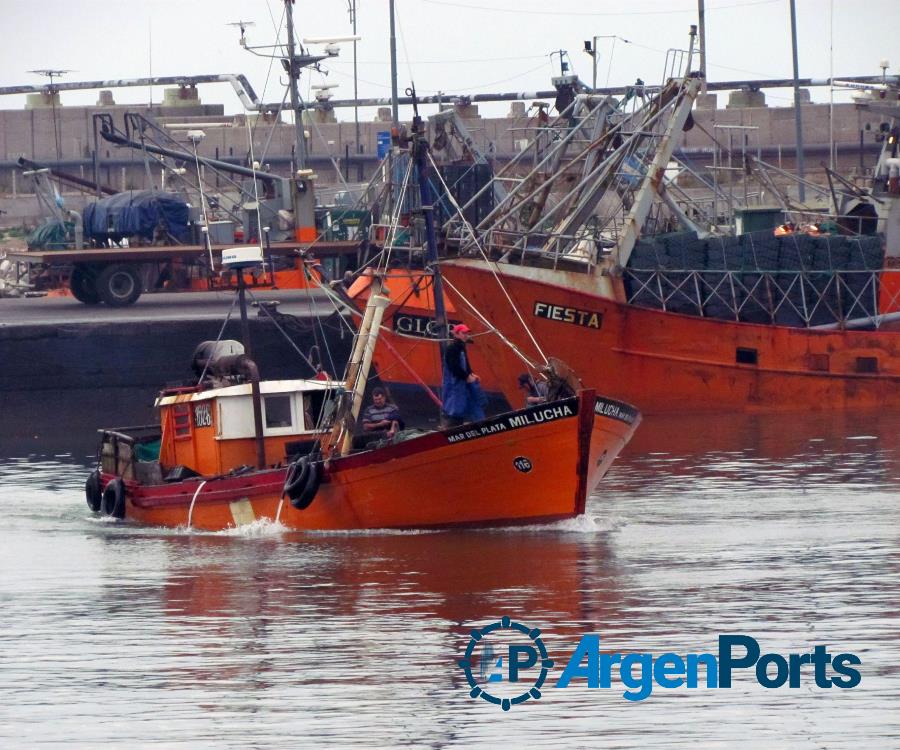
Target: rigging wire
275,119
490,263
395,218
212,265
234,299
492,329
320,328
259,228
277,29
405,50
281,330
315,127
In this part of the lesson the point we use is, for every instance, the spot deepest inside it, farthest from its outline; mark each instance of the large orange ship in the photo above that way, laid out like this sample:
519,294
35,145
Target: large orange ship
661,361
667,361
784,317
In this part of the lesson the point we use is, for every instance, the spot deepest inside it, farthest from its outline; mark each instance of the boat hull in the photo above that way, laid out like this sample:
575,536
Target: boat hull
668,362
533,465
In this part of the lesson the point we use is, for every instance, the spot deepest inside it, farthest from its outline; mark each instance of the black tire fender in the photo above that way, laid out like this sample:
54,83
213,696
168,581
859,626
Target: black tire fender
92,492
302,482
295,479
113,501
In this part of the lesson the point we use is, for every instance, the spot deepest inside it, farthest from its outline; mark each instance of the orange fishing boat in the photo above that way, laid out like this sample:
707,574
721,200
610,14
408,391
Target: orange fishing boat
668,362
532,465
232,449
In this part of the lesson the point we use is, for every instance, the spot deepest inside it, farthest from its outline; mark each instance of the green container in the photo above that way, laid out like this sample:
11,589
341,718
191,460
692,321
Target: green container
757,219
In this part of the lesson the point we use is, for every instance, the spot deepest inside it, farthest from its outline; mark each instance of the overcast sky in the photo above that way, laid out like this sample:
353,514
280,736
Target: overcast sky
456,46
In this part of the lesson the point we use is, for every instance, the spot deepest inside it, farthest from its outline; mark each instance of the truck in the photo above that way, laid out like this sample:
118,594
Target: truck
133,241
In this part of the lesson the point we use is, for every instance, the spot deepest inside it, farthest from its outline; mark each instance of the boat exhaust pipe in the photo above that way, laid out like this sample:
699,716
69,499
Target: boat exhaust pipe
241,364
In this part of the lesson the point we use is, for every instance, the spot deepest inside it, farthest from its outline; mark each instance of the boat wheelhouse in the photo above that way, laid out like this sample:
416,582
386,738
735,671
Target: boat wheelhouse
211,431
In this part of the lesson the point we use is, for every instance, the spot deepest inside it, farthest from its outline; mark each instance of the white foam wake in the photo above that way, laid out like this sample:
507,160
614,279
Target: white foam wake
584,524
261,527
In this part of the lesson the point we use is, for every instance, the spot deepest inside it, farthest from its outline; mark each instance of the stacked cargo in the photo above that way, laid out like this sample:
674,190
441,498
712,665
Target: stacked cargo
790,280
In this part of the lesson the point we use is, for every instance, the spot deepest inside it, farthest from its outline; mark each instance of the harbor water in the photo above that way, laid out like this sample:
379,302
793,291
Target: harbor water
783,528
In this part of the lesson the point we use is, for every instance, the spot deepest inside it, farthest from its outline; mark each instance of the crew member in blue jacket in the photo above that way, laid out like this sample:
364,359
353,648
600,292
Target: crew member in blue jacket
461,391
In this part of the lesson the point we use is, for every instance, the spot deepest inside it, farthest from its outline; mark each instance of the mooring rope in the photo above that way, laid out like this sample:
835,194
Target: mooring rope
193,500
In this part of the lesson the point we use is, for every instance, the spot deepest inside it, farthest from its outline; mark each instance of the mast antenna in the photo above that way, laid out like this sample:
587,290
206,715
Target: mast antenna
243,26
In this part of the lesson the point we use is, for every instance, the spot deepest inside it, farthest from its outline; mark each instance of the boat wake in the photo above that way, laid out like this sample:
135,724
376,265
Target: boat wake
586,524
373,532
260,528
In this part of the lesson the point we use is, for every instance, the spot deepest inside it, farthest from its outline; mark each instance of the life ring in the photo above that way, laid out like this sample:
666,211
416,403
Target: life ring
302,482
92,492
113,501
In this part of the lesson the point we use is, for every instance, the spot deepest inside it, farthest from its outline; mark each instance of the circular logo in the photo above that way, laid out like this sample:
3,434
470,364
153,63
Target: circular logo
522,464
519,657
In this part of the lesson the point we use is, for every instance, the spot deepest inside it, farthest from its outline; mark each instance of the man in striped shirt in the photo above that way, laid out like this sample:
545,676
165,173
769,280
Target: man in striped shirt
381,415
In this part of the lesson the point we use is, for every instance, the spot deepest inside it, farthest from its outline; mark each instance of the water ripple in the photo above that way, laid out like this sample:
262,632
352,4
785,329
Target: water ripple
785,529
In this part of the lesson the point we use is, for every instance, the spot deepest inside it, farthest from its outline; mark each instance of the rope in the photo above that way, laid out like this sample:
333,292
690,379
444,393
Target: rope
193,500
492,329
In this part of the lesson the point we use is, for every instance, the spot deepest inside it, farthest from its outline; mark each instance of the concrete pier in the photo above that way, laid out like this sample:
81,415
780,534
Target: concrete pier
61,344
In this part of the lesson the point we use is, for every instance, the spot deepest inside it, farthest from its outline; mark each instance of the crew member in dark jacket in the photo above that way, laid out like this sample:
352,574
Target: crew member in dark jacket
461,391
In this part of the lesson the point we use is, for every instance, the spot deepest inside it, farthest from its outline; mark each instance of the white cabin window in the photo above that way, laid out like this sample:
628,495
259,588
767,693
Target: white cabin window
277,411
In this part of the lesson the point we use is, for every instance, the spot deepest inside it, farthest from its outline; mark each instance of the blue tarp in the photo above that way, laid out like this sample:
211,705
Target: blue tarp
137,213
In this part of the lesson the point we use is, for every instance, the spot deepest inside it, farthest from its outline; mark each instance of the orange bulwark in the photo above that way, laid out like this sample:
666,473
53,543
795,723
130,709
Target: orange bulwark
533,465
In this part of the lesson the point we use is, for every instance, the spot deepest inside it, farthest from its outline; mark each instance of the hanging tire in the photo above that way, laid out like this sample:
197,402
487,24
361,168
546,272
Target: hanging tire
92,492
83,285
302,482
295,479
112,502
119,285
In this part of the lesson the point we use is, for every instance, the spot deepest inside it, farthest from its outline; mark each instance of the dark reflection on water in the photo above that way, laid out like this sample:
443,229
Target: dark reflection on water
783,528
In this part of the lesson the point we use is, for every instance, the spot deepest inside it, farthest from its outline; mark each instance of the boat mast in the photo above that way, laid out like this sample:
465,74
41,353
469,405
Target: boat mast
653,179
293,65
238,260
395,110
341,437
419,147
798,118
255,394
